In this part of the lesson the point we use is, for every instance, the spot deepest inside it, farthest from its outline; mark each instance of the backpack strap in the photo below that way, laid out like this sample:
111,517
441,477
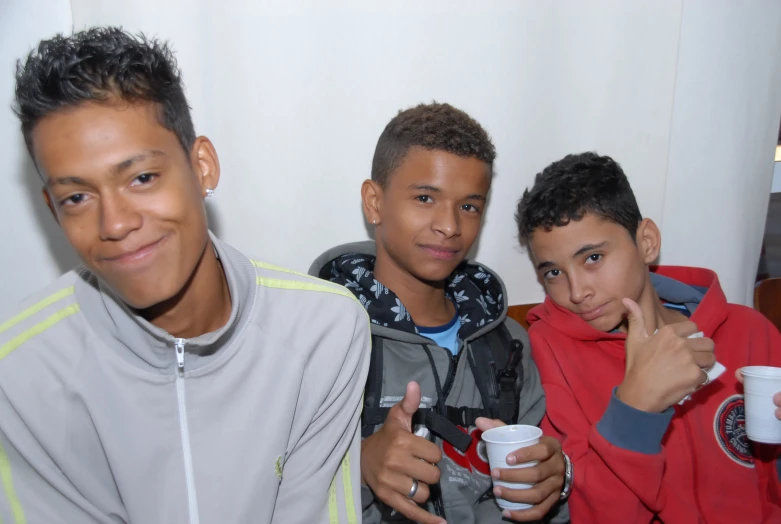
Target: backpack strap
370,416
496,360
509,376
510,381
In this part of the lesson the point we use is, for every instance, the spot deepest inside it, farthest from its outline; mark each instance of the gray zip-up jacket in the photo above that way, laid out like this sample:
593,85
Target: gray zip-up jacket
105,418
480,298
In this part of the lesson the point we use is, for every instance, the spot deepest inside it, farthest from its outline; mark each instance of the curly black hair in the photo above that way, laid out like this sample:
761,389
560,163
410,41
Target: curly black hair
573,186
436,127
101,64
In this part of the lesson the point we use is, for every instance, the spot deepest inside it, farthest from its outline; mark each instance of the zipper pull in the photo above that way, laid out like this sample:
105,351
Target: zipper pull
179,345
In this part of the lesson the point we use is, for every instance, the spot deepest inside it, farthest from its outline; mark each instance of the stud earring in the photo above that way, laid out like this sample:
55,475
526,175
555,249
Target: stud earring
209,193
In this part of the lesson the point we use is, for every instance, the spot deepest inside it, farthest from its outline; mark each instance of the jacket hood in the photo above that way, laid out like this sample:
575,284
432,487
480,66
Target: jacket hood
478,293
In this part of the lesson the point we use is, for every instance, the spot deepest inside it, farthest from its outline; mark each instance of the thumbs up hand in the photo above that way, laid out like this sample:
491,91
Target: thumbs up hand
401,414
664,368
393,460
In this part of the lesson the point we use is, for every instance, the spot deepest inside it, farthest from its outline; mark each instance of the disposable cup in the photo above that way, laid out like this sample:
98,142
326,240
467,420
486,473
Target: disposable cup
502,441
760,383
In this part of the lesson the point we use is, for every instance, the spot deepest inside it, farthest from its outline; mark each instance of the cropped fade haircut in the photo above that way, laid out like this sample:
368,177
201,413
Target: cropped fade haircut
434,127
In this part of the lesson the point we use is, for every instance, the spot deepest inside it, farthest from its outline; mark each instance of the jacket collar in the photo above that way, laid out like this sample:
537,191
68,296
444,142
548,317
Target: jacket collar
148,346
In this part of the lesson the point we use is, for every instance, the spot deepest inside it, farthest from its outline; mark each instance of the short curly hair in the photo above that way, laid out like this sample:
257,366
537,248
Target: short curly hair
101,64
573,186
435,127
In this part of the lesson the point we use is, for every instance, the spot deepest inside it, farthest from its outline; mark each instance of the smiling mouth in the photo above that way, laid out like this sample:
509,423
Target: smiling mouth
137,255
441,253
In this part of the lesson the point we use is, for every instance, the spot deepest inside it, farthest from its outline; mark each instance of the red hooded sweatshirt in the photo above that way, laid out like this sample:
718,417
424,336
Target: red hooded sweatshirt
691,464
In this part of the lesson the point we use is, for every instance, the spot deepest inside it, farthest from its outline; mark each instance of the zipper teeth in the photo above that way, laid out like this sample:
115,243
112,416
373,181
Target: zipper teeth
451,372
186,450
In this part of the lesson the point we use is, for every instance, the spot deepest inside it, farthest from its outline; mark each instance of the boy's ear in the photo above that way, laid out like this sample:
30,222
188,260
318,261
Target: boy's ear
371,196
648,240
205,163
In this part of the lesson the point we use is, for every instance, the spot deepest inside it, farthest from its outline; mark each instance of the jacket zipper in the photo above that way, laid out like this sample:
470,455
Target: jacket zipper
185,432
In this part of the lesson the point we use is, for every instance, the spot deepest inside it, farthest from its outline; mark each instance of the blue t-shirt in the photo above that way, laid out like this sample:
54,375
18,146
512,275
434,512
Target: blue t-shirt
680,308
444,336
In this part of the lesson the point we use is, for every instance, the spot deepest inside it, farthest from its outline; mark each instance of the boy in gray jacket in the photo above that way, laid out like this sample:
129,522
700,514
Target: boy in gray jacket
446,361
171,379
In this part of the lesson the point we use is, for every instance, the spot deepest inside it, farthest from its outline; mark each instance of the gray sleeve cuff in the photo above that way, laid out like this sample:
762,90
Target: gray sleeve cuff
632,429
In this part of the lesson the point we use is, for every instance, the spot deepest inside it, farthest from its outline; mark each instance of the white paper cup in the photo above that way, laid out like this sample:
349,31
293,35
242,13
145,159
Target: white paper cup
760,383
502,441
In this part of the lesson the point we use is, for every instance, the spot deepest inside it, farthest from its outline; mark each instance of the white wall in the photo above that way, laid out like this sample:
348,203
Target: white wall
723,138
776,188
294,96
27,259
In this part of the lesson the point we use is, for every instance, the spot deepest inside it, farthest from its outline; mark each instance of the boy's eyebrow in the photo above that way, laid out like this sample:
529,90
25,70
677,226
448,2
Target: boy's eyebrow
543,265
588,247
476,196
424,187
66,181
134,159
116,169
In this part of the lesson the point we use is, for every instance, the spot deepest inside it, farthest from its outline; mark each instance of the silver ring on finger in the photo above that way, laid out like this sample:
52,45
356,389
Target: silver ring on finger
706,381
414,489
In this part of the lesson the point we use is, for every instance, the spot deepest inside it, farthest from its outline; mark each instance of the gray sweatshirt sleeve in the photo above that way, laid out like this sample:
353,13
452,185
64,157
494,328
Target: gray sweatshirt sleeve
329,449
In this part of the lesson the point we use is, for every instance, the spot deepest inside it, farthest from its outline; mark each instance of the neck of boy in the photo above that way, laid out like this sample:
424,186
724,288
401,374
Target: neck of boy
202,306
656,316
425,301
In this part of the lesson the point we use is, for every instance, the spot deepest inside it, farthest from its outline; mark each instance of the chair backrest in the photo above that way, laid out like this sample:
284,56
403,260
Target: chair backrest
518,313
767,300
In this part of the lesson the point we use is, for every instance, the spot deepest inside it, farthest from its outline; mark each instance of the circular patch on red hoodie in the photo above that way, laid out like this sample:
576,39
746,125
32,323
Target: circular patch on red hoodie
729,424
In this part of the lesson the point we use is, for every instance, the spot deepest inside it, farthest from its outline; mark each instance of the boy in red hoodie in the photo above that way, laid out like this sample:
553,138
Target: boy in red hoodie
614,383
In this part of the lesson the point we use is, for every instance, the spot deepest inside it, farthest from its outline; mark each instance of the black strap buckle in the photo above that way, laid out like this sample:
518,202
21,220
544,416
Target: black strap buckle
510,371
448,431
